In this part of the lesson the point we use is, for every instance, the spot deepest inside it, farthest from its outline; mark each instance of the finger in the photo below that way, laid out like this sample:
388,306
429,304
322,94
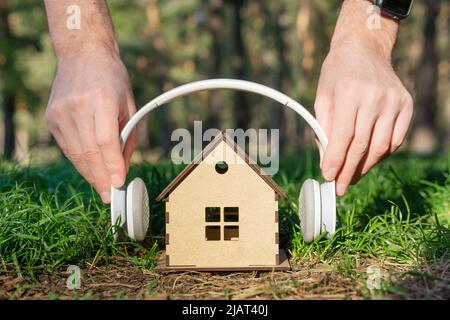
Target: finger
130,146
319,146
402,124
342,131
93,157
72,149
58,138
365,121
131,104
132,141
107,138
323,110
380,143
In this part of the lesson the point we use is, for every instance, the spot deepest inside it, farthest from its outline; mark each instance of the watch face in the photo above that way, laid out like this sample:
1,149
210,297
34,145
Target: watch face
399,8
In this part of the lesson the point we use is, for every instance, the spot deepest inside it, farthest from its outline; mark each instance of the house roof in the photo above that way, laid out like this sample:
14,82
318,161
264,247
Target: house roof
204,153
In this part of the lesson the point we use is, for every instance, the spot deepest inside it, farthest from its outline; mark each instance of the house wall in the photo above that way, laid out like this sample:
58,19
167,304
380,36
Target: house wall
239,187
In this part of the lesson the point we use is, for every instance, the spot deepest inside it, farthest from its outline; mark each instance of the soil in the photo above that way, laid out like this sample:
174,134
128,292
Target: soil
305,281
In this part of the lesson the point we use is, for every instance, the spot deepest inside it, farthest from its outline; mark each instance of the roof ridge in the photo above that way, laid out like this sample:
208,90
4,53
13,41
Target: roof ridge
222,136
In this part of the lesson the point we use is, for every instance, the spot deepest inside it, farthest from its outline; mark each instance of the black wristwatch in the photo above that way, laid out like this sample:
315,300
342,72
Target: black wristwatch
398,9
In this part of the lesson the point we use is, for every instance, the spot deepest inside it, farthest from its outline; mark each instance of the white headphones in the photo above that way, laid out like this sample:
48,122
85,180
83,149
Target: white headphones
317,202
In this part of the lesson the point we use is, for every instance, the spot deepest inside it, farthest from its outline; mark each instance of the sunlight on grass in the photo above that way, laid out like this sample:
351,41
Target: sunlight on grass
50,217
399,212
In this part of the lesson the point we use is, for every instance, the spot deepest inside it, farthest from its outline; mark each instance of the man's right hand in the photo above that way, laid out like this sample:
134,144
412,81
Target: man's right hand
90,102
91,98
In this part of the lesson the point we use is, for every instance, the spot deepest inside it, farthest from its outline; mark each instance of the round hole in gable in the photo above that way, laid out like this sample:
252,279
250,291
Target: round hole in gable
221,167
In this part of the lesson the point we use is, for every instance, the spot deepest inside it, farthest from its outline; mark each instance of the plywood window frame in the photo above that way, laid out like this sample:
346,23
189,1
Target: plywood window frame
212,214
229,230
213,224
231,227
232,234
229,213
210,235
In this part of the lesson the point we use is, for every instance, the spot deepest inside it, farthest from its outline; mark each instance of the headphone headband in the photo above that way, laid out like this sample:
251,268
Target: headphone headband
211,84
130,203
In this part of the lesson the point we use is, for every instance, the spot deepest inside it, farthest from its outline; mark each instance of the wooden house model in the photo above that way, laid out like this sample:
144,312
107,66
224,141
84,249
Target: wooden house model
222,214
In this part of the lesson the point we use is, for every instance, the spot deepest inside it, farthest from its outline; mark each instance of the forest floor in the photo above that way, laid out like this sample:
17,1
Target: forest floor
392,242
306,281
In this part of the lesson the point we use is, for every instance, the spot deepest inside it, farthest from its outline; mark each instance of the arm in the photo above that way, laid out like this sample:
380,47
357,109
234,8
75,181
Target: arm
361,103
91,98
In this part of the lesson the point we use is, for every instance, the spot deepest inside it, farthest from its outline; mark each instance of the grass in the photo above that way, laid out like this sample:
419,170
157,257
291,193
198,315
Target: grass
398,215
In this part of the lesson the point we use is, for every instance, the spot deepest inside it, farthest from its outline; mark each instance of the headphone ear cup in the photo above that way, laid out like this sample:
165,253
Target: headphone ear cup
310,210
328,201
118,210
138,213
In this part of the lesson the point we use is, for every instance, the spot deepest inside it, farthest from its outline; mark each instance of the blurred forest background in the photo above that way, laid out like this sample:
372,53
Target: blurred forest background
167,43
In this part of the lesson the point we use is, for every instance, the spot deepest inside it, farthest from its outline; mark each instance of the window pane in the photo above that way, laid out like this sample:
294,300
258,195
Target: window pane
212,214
231,233
231,214
212,233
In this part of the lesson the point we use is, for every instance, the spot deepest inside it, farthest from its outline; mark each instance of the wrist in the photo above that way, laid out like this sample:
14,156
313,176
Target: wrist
94,34
354,28
71,53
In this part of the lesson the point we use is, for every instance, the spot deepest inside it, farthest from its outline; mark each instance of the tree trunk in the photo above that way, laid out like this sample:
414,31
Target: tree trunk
164,121
153,10
8,115
242,109
281,73
424,136
23,122
8,94
274,27
216,26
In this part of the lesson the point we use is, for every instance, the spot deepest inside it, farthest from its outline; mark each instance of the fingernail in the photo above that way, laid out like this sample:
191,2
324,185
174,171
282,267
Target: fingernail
341,189
116,181
106,197
330,174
